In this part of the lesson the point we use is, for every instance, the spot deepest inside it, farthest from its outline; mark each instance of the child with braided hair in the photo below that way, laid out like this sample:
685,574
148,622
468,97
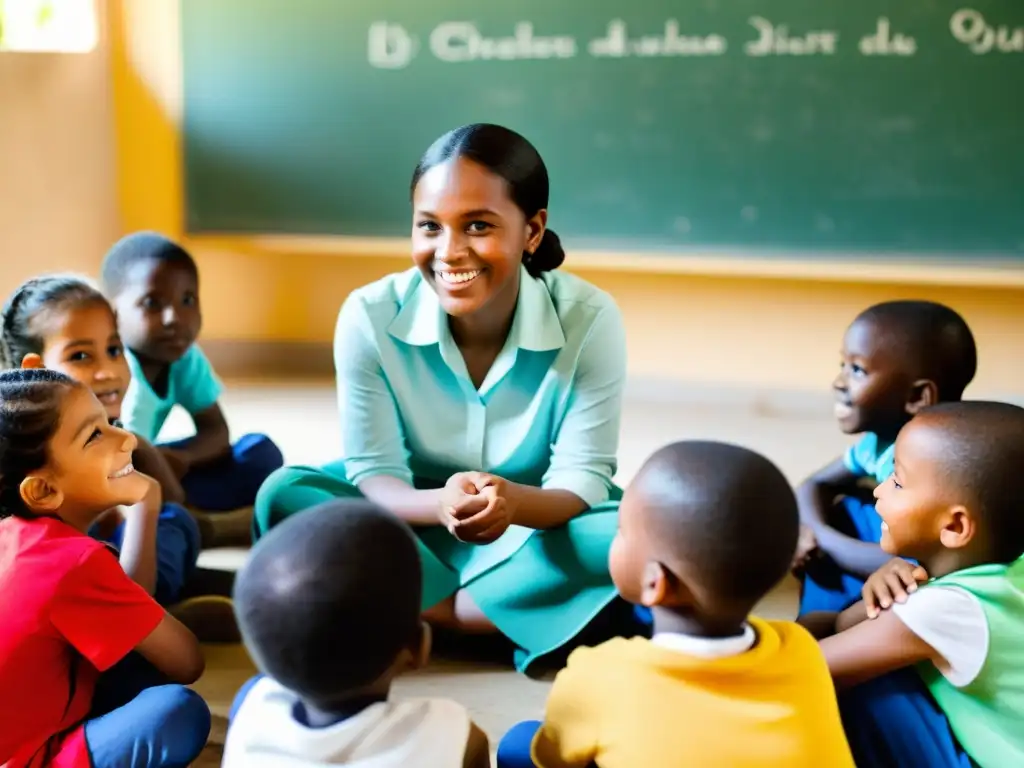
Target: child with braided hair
63,323
92,669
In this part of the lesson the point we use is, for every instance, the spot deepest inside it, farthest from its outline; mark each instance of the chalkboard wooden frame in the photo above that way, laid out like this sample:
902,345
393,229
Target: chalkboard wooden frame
855,268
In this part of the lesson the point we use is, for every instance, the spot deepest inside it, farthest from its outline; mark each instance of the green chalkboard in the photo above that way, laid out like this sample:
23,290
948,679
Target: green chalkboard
733,125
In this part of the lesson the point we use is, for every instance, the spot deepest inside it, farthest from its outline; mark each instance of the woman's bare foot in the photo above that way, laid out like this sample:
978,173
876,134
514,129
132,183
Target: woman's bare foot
459,613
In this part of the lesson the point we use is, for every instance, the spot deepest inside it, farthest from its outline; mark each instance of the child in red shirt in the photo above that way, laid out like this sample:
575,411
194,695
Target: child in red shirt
62,322
68,611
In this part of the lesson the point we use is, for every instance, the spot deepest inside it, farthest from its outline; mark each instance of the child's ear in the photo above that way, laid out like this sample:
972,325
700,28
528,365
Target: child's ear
40,495
414,656
32,361
661,587
959,529
924,393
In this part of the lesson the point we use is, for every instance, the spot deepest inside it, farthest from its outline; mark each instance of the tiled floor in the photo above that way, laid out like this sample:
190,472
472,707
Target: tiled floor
302,420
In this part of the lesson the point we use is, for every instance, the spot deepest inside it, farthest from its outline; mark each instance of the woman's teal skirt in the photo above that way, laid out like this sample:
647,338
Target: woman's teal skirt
539,588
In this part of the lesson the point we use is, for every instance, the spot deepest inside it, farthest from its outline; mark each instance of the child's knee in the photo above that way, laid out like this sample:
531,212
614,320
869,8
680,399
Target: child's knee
514,748
258,451
184,722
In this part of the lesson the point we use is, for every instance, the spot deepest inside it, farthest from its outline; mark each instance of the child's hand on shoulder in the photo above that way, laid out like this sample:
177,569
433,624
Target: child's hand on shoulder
894,582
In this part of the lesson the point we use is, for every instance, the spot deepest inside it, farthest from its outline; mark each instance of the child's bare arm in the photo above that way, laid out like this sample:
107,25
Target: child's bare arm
820,624
211,442
892,583
852,616
816,497
478,749
148,460
872,648
138,545
173,650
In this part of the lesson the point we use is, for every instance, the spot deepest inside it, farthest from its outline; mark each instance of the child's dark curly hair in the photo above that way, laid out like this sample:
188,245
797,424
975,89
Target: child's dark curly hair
24,310
30,407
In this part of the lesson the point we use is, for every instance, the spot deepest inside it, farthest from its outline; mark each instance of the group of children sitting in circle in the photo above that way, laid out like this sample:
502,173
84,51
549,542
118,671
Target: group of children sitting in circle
907,650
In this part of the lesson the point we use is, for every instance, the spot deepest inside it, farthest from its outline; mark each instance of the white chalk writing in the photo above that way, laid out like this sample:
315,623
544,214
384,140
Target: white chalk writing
884,43
459,41
777,41
617,44
390,46
970,27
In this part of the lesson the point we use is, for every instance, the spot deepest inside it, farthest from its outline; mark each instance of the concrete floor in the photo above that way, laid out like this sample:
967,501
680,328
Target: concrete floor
799,435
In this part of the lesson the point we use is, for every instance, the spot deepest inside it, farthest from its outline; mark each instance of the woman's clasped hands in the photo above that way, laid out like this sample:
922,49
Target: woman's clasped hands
476,507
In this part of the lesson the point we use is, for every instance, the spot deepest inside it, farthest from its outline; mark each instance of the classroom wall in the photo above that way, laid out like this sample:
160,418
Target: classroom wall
58,206
719,332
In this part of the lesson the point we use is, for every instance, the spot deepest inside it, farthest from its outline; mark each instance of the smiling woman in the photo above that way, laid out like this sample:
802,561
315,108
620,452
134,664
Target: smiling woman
480,394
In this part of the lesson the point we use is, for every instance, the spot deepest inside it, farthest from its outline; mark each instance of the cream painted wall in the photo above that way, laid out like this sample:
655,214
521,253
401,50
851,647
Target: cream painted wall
58,203
742,333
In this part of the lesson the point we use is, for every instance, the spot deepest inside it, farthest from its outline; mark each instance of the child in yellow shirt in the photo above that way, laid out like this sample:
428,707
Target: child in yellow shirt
705,531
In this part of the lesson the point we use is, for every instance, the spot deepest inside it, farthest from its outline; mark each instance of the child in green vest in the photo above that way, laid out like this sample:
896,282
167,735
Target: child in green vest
930,665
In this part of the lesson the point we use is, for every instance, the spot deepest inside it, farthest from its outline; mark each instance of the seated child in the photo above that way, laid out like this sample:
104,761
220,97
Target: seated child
898,357
62,323
153,285
936,676
705,531
72,692
329,605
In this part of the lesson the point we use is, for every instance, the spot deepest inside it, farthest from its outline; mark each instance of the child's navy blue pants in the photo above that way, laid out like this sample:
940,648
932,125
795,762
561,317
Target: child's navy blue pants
232,482
177,549
826,586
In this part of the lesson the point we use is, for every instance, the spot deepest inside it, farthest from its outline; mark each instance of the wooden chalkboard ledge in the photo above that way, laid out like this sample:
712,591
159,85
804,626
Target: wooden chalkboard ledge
881,268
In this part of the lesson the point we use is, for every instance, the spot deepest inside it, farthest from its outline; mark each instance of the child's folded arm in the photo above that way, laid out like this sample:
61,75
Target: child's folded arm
211,442
174,651
198,391
873,648
138,545
815,498
852,616
822,624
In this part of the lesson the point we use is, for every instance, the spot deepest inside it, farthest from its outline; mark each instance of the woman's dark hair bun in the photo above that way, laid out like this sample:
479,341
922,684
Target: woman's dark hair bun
548,256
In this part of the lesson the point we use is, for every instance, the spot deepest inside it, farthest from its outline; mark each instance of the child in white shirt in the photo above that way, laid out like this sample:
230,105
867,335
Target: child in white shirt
329,606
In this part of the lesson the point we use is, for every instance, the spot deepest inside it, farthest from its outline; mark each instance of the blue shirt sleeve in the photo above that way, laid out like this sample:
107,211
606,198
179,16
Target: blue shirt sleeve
583,453
372,440
196,386
860,457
